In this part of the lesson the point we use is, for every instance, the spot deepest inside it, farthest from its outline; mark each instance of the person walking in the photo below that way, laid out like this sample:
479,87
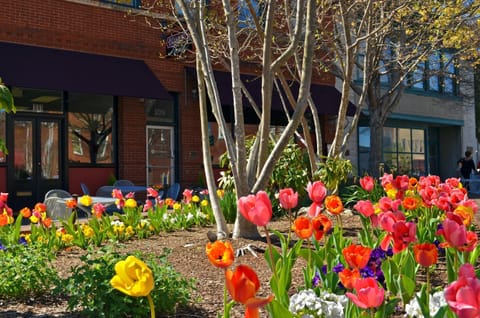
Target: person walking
466,166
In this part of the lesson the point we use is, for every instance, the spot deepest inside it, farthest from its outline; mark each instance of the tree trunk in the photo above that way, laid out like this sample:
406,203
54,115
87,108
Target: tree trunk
376,133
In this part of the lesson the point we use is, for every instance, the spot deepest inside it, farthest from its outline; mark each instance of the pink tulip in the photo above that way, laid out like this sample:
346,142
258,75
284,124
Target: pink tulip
453,230
365,207
463,295
316,191
314,210
367,183
288,198
368,293
151,192
187,195
256,208
148,205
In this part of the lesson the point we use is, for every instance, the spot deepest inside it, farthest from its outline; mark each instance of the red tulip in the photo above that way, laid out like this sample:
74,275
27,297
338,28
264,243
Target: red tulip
367,183
463,295
243,284
321,224
403,234
316,191
256,208
288,198
303,227
357,256
426,254
368,293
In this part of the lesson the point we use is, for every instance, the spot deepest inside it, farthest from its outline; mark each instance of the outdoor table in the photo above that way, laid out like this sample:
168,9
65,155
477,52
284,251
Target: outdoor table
106,191
88,209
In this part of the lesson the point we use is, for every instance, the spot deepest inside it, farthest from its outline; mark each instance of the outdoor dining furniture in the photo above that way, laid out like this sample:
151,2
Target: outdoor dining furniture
106,191
103,200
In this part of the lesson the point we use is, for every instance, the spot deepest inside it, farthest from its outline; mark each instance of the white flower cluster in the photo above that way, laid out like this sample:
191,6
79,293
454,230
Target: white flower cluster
306,304
437,300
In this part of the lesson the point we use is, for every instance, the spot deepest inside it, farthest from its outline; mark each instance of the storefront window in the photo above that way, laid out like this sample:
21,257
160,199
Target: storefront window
403,150
90,128
37,100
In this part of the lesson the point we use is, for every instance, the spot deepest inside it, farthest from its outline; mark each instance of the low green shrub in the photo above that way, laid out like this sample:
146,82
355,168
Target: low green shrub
26,271
89,291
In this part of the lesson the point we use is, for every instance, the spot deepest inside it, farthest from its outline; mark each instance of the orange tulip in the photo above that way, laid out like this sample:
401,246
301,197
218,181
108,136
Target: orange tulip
334,204
40,207
410,203
26,213
357,256
71,203
243,284
220,254
348,277
426,254
3,219
47,222
321,224
303,227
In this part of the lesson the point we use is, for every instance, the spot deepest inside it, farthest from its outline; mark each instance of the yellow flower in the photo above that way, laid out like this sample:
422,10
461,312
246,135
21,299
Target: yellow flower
87,231
204,202
85,200
177,206
67,238
133,277
27,237
130,203
34,219
129,231
195,198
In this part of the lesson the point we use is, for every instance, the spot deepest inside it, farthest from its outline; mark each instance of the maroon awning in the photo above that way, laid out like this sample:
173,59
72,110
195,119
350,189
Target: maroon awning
46,68
326,98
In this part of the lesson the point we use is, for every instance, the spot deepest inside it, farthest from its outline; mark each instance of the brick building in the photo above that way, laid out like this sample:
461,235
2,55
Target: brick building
95,101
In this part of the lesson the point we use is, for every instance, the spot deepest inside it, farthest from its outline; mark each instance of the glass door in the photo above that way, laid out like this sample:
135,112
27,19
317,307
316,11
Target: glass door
34,163
160,155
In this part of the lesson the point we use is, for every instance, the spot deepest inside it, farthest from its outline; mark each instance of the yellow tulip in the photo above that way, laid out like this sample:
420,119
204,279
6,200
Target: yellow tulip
133,277
130,203
85,200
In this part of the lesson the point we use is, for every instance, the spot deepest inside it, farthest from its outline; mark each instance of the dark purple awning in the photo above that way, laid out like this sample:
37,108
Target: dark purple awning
45,68
326,98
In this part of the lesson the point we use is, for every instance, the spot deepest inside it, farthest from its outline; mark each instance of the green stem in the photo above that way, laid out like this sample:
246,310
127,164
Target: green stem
152,306
270,247
225,300
428,287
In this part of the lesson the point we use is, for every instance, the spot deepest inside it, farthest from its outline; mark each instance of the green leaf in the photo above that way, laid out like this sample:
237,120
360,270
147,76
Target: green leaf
407,286
276,309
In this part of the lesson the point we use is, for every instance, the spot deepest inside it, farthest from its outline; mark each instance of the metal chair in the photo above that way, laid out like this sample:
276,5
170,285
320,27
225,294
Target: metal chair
173,191
84,188
123,183
57,193
55,203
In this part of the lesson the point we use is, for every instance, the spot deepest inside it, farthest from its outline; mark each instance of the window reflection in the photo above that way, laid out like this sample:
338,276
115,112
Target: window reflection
90,128
403,151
